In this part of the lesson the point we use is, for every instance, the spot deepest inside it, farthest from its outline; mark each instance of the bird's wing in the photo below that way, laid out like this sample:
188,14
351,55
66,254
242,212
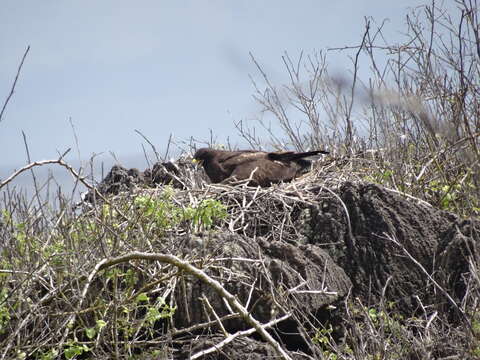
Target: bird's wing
264,171
236,158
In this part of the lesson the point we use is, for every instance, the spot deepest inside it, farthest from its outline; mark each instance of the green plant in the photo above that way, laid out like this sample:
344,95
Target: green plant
323,337
93,331
49,355
446,194
206,213
159,310
4,311
73,349
164,214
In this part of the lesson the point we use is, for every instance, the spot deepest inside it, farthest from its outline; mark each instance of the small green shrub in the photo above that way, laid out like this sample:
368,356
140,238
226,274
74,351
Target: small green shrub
162,213
206,213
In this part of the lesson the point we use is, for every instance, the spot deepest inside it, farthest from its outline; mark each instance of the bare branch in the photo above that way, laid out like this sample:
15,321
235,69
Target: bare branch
12,90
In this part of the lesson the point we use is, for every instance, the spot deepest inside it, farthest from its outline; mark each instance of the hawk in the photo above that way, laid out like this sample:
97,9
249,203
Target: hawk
262,168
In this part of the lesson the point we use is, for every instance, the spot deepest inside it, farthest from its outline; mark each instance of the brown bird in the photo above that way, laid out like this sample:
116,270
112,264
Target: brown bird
263,168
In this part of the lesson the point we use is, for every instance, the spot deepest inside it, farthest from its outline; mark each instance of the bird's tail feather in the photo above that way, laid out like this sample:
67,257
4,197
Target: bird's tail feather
288,156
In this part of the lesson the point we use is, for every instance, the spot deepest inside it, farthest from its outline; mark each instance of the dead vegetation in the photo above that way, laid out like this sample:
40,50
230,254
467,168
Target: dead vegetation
193,272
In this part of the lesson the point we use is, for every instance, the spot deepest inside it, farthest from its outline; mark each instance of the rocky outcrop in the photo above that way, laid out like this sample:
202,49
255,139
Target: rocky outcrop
256,272
391,244
120,179
359,240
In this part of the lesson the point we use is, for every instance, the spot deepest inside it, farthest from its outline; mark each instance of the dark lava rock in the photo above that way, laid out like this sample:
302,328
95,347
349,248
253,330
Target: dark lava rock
120,179
376,264
459,248
117,180
164,173
240,348
267,276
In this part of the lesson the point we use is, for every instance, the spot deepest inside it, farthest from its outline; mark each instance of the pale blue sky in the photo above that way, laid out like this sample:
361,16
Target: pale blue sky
162,67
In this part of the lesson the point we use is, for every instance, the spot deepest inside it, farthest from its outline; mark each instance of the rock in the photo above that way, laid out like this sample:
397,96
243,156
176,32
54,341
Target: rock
376,264
239,349
120,179
459,248
295,273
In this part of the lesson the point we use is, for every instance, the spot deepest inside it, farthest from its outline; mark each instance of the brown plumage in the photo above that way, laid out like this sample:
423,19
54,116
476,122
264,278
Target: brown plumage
264,168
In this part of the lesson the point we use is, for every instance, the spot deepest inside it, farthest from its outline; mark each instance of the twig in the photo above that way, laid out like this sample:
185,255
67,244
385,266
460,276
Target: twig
215,315
232,337
149,143
12,90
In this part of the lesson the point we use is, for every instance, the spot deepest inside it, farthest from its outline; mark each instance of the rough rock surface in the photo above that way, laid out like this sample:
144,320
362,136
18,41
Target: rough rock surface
263,264
384,227
240,348
120,179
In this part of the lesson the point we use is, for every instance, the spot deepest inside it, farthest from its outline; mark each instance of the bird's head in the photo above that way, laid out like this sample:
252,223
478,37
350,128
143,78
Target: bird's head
202,155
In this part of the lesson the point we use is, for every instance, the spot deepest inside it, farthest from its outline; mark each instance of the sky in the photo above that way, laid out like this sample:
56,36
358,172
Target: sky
99,70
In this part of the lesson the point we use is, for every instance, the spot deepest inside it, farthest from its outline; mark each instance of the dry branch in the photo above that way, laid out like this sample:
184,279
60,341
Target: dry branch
187,267
12,90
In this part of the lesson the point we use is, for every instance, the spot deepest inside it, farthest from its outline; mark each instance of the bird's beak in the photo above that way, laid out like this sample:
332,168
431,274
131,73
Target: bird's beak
197,162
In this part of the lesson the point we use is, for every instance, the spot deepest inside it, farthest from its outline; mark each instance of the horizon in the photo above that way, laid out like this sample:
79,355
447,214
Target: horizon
92,78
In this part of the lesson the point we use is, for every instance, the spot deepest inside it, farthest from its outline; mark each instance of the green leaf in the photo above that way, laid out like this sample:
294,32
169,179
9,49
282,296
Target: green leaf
101,324
142,297
91,332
